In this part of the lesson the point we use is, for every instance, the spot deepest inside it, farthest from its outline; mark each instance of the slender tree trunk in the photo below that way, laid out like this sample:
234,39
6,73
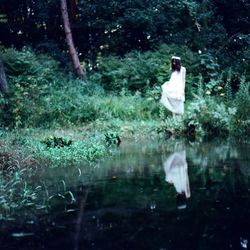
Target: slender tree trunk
3,80
72,51
6,107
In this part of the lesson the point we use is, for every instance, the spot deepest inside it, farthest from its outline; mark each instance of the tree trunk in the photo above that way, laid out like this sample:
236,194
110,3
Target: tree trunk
3,80
72,51
7,117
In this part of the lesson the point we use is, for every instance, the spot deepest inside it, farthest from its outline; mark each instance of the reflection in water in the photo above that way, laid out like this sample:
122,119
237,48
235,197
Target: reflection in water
243,243
175,167
124,204
82,201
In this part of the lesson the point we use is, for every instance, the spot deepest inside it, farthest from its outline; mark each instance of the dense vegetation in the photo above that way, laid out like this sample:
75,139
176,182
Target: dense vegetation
40,95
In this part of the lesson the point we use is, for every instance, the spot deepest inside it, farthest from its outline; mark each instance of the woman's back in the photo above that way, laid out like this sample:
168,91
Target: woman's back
173,91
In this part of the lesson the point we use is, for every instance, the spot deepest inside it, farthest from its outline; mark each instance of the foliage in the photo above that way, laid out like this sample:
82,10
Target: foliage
205,26
26,62
234,55
15,188
135,72
123,26
77,108
171,126
36,84
209,116
29,77
37,97
241,121
112,138
60,148
53,142
90,150
209,66
142,71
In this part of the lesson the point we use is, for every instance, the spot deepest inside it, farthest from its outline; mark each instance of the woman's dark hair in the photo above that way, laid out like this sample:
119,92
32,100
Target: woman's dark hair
176,64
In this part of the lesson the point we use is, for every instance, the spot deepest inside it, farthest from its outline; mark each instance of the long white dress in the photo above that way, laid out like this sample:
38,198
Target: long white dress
173,92
175,167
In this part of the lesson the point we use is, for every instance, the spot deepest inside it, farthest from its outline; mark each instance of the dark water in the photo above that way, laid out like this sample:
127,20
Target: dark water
152,195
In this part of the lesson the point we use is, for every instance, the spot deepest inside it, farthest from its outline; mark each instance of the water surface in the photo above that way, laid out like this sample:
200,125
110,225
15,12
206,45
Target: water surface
150,195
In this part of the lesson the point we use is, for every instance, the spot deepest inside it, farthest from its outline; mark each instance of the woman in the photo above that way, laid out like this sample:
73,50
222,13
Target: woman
173,91
175,167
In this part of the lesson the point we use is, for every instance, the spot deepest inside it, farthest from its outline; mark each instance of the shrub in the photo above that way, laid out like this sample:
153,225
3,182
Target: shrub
241,122
41,95
112,137
134,72
60,109
59,142
29,78
142,71
209,116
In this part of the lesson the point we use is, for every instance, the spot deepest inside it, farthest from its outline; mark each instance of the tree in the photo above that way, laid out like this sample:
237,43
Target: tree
3,81
72,51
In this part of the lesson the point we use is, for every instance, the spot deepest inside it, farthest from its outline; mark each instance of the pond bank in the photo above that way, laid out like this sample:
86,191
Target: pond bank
85,144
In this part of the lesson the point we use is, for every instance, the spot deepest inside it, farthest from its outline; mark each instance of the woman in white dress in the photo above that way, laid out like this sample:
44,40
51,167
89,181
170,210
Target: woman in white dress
175,167
173,91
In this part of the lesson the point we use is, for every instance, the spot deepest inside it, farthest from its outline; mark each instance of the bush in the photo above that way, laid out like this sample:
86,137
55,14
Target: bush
142,71
57,142
29,78
241,122
134,72
209,116
41,95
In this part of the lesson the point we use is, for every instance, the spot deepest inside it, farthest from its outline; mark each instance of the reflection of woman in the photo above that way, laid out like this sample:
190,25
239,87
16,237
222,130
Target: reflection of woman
175,168
173,91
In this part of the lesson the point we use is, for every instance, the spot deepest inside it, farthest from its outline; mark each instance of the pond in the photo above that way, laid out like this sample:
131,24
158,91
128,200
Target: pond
162,195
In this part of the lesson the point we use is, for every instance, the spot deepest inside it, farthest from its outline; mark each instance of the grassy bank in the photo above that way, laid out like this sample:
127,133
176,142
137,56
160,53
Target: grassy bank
28,154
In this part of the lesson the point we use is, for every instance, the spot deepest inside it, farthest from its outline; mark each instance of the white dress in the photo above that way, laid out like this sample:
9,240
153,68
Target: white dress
175,168
173,92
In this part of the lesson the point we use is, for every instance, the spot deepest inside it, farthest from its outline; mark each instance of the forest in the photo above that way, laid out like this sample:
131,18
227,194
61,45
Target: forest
80,76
